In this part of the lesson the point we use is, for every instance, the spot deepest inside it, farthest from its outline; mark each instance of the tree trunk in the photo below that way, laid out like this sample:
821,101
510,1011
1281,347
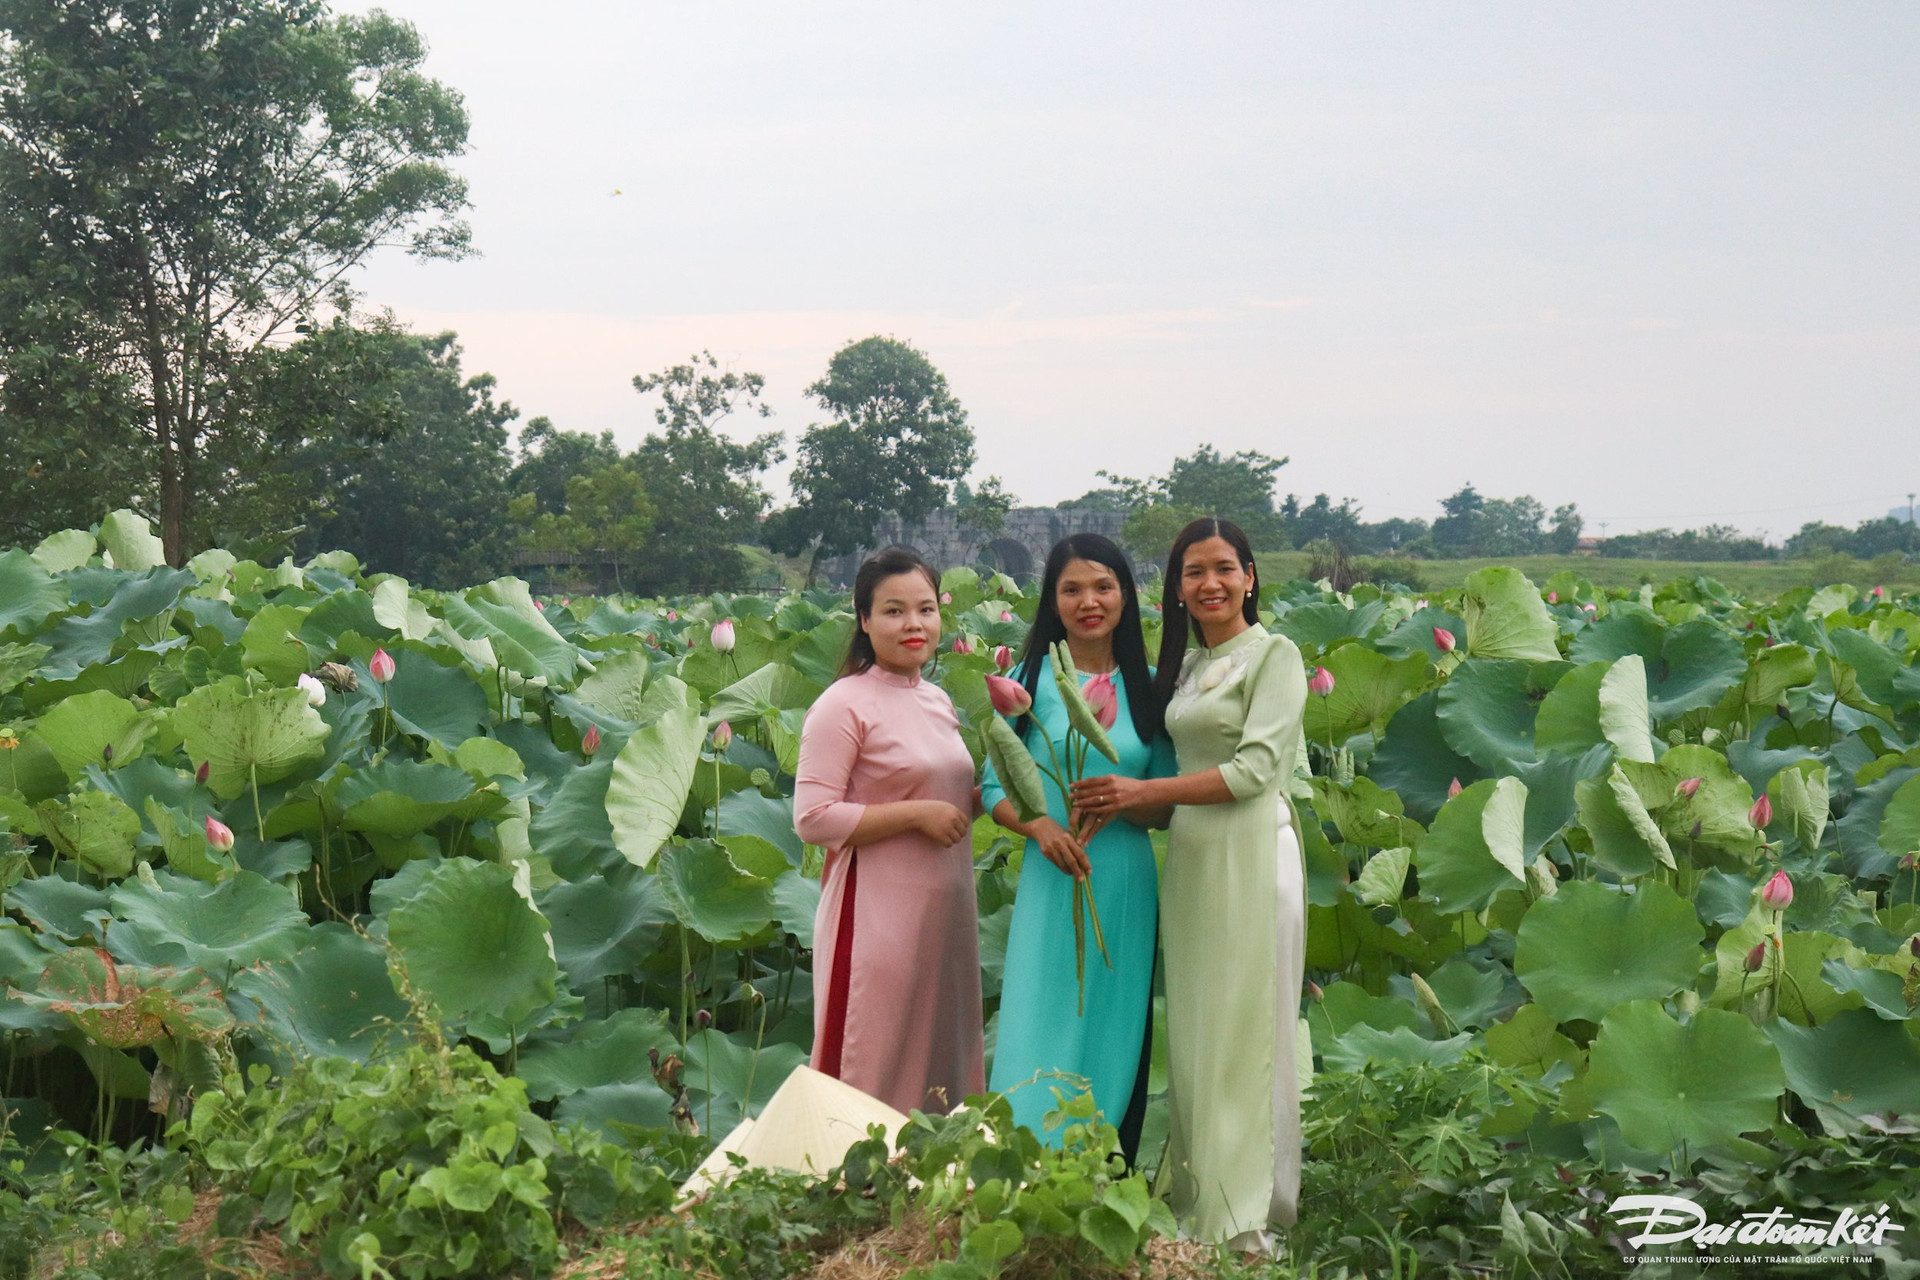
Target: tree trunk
813,564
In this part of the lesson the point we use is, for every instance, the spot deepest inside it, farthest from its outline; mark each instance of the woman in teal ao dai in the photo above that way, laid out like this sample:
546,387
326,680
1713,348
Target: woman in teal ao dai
1087,598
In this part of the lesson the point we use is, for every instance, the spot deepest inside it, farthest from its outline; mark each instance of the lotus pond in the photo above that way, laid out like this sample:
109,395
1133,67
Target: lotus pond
519,880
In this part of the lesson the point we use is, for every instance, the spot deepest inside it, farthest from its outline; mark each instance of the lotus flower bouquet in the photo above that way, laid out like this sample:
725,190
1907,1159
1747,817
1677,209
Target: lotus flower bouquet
1090,713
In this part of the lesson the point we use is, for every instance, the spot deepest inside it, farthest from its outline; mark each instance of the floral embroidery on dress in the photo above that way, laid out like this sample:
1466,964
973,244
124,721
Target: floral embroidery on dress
1201,675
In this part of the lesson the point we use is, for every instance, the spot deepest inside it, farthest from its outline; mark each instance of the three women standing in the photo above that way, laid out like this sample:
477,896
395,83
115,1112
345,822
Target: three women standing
1087,599
1233,902
885,784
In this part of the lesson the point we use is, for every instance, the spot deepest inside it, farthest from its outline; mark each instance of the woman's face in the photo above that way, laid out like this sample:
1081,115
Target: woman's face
1089,599
905,623
1213,582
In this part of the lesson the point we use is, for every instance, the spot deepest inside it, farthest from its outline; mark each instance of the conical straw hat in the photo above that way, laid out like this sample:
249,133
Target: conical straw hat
805,1127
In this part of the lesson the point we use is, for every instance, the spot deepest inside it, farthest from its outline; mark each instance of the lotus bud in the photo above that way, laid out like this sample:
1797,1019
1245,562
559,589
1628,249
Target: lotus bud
1756,957
1688,787
946,597
673,615
1913,946
723,637
1749,624
1314,993
722,736
1695,833
1003,657
380,666
315,691
590,740
1590,607
703,1019
653,640
106,753
219,835
1010,697
653,1059
1006,615
1443,640
1454,788
1103,698
963,643
200,774
1322,683
1761,815
1777,895
1877,592
1553,597
1766,642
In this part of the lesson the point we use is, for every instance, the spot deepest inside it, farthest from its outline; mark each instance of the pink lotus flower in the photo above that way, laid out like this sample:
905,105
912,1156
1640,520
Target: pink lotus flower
1010,697
1761,815
961,644
1454,788
946,597
1003,657
1103,698
1006,615
1322,683
1443,640
590,741
1420,604
1778,893
219,835
1553,597
1756,957
673,615
722,735
1878,592
723,637
380,666
1590,607
1689,787
200,774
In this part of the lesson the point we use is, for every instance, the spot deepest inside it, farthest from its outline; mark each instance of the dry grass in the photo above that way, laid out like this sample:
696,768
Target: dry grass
261,1256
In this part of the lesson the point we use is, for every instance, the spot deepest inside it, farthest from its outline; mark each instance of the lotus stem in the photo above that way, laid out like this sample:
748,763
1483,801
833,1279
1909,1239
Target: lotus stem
1079,948
259,823
1093,914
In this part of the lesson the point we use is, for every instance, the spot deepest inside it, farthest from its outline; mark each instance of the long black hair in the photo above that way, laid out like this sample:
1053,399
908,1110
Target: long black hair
1178,624
879,566
1129,649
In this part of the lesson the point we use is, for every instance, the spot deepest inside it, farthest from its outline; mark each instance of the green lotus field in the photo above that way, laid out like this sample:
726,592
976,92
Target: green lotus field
457,972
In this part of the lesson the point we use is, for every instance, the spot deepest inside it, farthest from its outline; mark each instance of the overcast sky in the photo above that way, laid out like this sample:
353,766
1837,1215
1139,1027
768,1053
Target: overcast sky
1656,259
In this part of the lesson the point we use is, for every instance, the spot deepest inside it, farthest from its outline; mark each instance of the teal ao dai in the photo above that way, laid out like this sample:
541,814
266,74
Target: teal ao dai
1042,1044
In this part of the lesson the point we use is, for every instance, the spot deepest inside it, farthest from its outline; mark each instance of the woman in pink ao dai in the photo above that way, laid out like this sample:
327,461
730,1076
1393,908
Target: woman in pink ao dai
885,784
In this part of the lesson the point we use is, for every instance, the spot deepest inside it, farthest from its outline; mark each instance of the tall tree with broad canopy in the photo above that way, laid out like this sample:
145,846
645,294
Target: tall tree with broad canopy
897,441
183,183
705,488
1206,482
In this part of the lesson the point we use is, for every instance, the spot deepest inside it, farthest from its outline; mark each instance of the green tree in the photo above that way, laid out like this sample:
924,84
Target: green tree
1511,527
181,185
705,488
984,510
1321,521
1564,537
412,475
897,441
1236,487
609,512
1457,533
549,457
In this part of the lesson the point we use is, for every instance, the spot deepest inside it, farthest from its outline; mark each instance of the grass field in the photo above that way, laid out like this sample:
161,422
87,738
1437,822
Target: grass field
1751,578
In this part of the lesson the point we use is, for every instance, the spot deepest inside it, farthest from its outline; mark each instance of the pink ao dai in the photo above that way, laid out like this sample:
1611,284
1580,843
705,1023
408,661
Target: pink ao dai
896,968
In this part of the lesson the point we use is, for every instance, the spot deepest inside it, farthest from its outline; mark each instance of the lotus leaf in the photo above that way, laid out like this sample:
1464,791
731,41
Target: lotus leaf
1853,1063
1486,713
17,662
1720,805
1671,1085
1363,1045
402,798
1383,879
1415,762
1531,1039
129,540
62,907
243,737
1626,839
67,549
650,780
1014,766
272,646
334,998
617,686
94,829
1900,827
220,928
80,641
1368,688
439,703
610,1051
1475,848
1800,800
1346,1005
1506,618
124,1007
711,896
574,832
471,945
80,731
1589,948
1364,813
